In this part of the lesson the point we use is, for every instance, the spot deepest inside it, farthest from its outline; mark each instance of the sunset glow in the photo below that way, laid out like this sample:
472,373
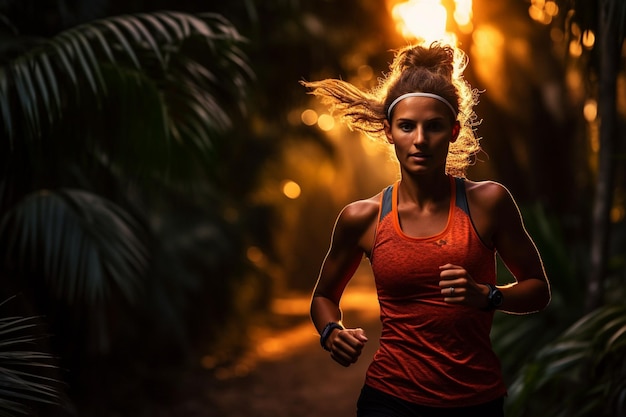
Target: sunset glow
428,19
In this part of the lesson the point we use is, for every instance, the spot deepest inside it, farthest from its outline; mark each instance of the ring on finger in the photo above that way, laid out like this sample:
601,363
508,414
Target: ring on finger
451,290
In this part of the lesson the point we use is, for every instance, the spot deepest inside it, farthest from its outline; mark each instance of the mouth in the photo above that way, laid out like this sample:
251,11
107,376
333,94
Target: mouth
419,155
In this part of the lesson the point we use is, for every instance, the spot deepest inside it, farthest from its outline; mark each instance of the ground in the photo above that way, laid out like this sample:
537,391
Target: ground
289,374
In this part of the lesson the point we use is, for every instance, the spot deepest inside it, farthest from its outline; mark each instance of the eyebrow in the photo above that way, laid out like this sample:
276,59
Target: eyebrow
406,119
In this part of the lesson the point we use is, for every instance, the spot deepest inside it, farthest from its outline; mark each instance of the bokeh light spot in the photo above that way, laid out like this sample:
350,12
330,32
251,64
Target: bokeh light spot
575,49
551,8
309,117
590,110
617,214
291,189
326,122
543,11
255,255
588,39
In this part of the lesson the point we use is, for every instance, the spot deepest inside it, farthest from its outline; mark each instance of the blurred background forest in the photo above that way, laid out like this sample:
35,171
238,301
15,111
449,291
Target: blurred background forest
165,178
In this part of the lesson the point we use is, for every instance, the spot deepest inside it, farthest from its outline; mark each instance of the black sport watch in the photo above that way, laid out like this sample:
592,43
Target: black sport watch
494,298
327,331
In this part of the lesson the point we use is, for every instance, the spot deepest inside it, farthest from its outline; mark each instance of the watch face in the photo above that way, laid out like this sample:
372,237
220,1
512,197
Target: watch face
496,298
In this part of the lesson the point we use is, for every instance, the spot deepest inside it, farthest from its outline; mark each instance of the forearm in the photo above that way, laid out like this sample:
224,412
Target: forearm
526,296
345,345
323,311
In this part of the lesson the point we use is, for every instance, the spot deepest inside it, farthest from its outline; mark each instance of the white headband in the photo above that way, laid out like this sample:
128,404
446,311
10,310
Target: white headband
407,95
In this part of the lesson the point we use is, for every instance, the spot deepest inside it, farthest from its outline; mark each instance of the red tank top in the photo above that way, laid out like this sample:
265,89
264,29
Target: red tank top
432,353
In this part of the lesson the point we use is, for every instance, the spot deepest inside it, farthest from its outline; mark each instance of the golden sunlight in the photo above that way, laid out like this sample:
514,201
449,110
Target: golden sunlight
463,15
428,19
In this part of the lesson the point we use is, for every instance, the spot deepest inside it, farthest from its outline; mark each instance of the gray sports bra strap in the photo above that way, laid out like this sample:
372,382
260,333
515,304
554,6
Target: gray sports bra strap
386,202
461,197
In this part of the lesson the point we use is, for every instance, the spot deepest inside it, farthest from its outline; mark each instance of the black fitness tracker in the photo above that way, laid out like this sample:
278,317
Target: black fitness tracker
494,298
327,331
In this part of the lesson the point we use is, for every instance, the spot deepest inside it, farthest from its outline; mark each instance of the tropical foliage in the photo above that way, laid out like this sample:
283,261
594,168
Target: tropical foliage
581,373
518,338
562,362
109,220
606,19
23,369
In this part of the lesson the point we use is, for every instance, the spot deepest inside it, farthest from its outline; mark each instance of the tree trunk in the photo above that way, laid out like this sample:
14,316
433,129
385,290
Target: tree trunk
608,53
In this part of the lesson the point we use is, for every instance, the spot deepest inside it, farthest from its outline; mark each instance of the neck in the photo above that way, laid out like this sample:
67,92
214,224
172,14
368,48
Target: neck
424,189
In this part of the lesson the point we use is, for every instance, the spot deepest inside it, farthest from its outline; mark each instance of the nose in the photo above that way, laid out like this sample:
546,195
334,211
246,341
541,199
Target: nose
420,136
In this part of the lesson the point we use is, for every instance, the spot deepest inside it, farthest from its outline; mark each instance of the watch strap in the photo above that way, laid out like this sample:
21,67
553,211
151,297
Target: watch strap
328,329
494,298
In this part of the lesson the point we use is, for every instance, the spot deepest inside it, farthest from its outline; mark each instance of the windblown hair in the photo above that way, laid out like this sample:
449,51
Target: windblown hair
435,69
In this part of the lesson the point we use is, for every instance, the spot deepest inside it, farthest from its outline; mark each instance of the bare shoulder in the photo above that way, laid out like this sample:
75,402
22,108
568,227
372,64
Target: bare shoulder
490,195
492,208
357,222
360,214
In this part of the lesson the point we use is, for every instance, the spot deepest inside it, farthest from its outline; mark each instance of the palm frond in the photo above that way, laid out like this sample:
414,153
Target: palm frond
581,373
88,250
34,91
22,380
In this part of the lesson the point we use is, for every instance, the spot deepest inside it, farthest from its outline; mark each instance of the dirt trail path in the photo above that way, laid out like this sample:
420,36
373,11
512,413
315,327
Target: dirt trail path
291,375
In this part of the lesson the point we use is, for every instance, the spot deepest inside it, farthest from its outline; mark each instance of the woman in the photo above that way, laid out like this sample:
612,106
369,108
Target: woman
431,239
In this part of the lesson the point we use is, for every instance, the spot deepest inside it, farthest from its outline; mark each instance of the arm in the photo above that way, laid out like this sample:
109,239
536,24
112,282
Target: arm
499,223
531,291
344,255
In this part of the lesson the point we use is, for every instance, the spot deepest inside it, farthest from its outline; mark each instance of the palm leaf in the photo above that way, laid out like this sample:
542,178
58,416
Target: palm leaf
88,250
581,373
156,45
22,382
72,225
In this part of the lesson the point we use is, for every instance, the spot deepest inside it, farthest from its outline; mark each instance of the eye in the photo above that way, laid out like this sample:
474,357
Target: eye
435,126
406,126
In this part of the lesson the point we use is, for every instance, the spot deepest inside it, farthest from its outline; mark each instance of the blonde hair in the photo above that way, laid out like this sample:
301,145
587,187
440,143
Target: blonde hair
436,69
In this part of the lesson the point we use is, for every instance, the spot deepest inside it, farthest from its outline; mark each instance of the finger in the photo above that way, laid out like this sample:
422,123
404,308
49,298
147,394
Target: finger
348,346
450,266
353,338
452,273
452,291
454,283
454,300
446,283
359,334
344,357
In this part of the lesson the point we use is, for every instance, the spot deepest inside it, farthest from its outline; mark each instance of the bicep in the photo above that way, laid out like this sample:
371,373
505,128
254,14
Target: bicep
513,242
342,259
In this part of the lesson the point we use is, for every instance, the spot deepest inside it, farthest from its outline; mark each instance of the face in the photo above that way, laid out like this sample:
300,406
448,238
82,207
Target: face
421,131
